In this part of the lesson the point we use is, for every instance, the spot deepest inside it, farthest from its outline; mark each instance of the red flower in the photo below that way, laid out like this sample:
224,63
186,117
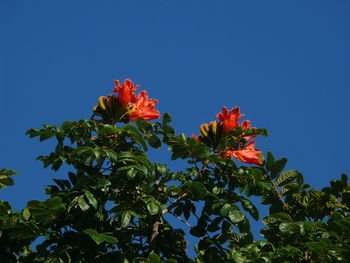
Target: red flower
230,118
126,92
246,155
144,108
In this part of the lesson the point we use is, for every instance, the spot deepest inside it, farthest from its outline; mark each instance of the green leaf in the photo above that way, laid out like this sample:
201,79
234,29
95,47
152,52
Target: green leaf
285,227
283,216
108,238
197,231
166,119
5,181
140,260
238,258
153,208
54,203
315,247
26,213
235,215
135,135
100,237
225,209
91,198
161,168
270,161
72,177
286,177
111,155
250,208
198,191
143,125
290,187
59,183
214,226
153,257
154,141
278,167
126,217
102,182
131,173
82,204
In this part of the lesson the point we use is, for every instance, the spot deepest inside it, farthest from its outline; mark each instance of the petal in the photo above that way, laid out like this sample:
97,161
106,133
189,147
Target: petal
227,154
246,124
144,108
249,154
126,92
230,118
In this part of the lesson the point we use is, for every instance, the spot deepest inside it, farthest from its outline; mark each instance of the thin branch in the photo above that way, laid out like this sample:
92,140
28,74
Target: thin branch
166,210
180,219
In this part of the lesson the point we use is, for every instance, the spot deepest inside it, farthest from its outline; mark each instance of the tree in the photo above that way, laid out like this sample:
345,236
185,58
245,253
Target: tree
113,204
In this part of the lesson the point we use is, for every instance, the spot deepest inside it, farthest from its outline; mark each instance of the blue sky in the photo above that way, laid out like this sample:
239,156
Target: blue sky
285,63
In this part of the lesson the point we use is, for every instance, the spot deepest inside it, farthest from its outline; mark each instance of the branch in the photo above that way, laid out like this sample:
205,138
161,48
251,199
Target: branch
154,234
166,210
181,220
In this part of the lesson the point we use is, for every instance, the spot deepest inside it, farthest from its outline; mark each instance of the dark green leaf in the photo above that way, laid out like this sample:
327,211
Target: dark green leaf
72,177
286,177
270,161
250,208
283,216
197,231
154,141
143,125
278,167
198,191
166,119
5,181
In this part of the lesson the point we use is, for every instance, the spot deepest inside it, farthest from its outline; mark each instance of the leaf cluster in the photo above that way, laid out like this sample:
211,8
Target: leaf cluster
115,205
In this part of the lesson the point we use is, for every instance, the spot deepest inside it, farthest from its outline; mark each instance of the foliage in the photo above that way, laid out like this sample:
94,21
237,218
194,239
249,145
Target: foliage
113,204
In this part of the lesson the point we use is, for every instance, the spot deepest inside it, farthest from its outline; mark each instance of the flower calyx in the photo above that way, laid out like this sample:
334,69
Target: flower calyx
210,134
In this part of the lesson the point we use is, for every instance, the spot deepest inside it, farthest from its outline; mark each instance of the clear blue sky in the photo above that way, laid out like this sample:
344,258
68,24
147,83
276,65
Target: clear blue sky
285,63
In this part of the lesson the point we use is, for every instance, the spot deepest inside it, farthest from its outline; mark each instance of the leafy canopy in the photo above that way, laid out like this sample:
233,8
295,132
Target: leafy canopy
114,205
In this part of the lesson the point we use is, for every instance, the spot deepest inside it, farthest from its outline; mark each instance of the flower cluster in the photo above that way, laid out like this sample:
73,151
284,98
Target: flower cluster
126,106
241,146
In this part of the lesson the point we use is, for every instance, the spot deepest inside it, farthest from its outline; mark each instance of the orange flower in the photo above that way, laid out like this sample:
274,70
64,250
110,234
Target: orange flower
144,108
126,92
230,118
246,155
